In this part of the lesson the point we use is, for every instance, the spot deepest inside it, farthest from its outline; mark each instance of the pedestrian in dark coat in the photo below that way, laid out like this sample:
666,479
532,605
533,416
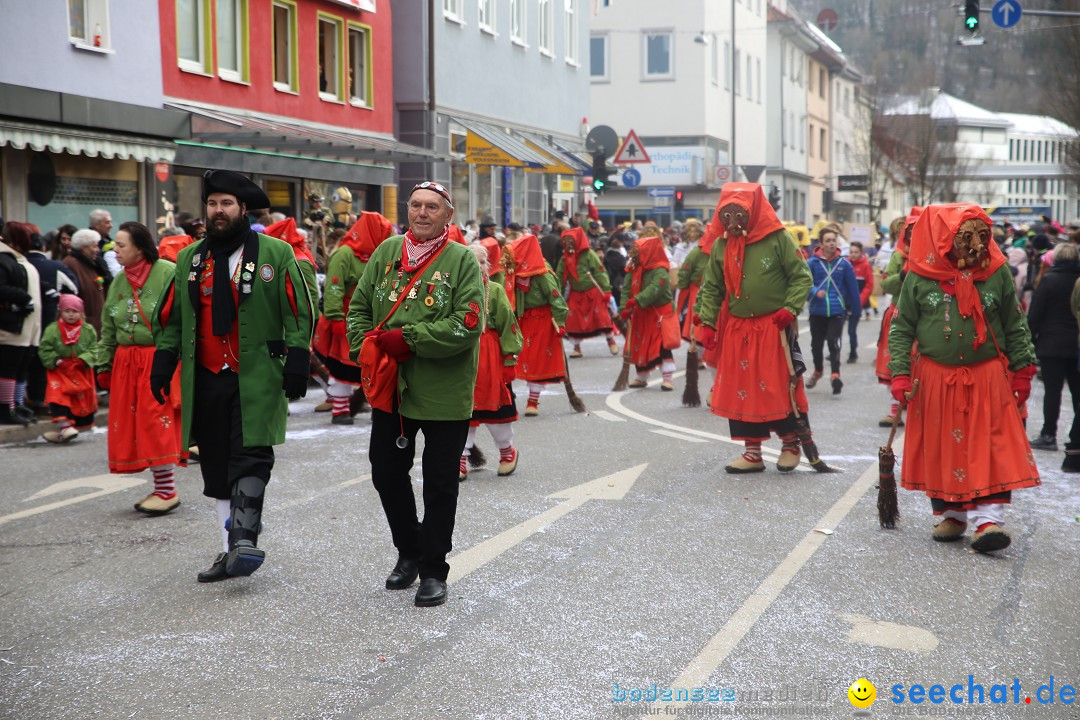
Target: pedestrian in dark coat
1054,331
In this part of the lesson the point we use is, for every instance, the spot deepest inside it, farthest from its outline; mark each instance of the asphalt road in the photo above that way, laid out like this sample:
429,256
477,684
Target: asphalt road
618,561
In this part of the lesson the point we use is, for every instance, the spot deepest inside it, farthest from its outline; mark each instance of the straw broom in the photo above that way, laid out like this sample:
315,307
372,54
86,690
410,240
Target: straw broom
888,508
802,429
575,401
623,381
691,397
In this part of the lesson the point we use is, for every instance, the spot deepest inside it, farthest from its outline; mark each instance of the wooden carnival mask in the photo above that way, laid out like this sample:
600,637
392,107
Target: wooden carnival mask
971,246
567,243
734,218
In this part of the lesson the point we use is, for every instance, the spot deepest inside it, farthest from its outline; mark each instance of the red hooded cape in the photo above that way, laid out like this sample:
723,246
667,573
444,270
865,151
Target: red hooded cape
932,239
169,247
286,230
494,255
901,244
762,222
456,234
651,255
528,259
581,244
369,230
708,239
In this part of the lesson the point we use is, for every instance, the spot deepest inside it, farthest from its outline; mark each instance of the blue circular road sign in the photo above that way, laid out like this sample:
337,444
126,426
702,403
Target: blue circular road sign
1006,13
631,178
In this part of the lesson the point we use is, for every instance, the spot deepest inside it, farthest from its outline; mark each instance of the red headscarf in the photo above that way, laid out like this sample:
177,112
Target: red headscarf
494,254
580,243
708,239
651,255
169,247
528,259
367,232
932,239
456,234
69,332
901,244
762,222
286,230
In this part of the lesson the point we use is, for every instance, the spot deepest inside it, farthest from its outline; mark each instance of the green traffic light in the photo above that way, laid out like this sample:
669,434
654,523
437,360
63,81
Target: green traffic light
972,23
598,184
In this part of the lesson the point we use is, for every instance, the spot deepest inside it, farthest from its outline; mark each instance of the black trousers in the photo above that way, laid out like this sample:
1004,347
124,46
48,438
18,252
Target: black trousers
429,541
217,426
822,328
1055,373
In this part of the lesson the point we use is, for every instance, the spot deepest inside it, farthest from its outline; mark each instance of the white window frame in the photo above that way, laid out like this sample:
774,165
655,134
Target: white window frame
758,63
570,32
645,35
293,85
546,23
227,73
736,86
749,78
201,65
606,77
518,22
338,90
714,59
727,65
485,16
452,11
95,14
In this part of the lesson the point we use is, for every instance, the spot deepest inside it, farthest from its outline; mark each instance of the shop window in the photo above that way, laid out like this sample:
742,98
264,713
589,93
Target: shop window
88,24
232,39
331,86
360,65
286,60
192,35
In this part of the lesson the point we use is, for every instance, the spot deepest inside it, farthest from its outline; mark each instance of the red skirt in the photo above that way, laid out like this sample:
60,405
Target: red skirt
646,338
588,316
881,364
142,434
331,344
72,387
686,302
752,379
964,436
490,391
542,359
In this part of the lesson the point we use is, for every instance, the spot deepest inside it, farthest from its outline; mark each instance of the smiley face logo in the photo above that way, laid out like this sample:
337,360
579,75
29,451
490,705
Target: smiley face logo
862,693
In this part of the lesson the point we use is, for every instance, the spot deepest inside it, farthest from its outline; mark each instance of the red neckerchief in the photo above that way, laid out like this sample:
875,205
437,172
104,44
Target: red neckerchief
69,333
414,252
137,273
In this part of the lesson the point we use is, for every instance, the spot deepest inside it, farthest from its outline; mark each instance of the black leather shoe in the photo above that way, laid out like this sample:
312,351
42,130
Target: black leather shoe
403,575
26,414
216,571
432,592
1044,442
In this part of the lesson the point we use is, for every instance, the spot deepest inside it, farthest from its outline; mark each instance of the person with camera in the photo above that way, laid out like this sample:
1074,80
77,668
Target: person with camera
239,316
20,320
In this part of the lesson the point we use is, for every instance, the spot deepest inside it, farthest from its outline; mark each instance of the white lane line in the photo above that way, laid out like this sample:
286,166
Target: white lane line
614,401
610,417
319,493
105,484
609,487
678,436
721,644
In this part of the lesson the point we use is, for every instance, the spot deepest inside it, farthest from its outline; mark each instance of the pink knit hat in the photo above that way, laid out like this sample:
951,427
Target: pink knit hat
71,302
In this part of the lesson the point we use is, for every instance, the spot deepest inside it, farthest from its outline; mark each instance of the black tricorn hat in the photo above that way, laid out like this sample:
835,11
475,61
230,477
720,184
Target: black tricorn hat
237,185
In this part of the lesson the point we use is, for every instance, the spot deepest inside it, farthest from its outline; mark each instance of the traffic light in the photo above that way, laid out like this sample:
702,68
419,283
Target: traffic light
678,200
971,15
774,197
600,173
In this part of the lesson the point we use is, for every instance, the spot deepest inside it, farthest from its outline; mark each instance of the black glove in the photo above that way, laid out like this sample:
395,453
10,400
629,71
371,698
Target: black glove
161,373
295,377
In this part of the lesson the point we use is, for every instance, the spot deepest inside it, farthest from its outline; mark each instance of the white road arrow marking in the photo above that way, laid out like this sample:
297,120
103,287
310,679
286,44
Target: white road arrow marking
105,484
610,487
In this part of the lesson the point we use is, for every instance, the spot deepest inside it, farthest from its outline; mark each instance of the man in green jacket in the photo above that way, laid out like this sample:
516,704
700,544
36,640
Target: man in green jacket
239,316
432,327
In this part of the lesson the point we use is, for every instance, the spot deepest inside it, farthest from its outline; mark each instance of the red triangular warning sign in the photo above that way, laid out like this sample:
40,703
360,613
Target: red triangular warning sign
632,151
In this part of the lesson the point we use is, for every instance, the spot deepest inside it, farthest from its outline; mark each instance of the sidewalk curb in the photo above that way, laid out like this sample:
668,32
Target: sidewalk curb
24,433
